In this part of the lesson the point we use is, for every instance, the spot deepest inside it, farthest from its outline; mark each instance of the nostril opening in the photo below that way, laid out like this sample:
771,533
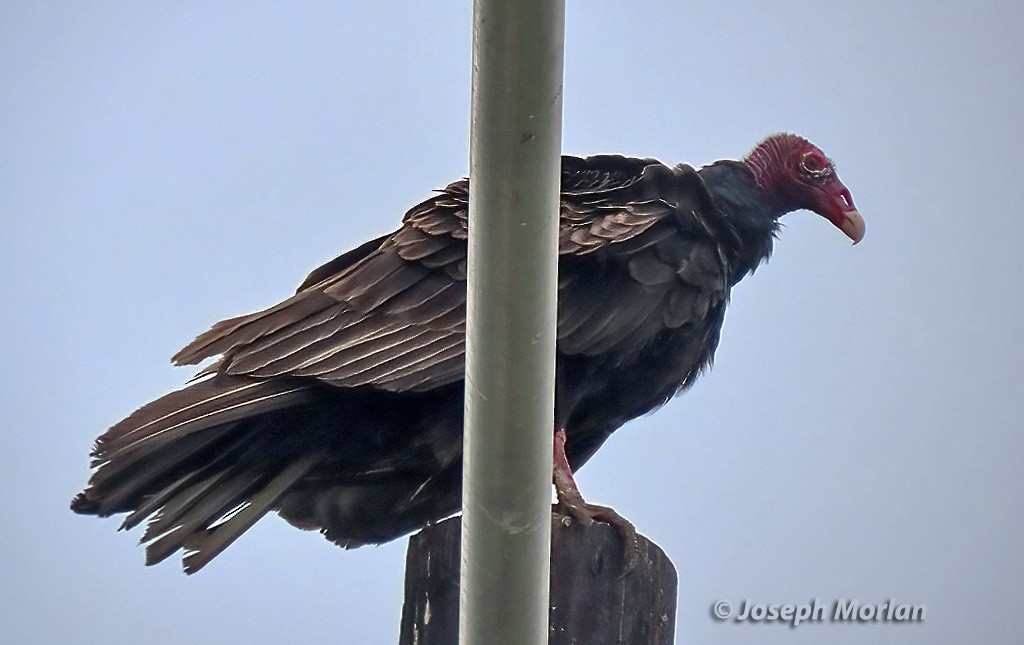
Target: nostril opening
845,197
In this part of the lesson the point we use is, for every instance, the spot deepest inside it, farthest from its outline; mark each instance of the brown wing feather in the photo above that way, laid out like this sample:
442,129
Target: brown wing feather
392,314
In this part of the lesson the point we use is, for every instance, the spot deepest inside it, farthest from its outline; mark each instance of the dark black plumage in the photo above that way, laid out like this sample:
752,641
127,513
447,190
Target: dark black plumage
341,407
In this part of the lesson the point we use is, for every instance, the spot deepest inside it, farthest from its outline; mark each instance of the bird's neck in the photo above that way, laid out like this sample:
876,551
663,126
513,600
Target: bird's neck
767,162
750,217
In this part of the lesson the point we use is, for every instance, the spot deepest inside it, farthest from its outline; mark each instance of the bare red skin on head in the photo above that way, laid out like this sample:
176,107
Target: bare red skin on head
796,174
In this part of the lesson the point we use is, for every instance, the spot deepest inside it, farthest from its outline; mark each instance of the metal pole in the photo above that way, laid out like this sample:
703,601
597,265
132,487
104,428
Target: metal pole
515,150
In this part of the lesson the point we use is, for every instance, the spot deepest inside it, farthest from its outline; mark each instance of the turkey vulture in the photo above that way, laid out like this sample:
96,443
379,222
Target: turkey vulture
340,408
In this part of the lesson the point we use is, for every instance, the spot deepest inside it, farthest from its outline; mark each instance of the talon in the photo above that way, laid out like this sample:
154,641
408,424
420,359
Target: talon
572,505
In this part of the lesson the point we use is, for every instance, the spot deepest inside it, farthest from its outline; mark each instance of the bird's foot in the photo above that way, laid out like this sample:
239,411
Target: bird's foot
572,506
586,514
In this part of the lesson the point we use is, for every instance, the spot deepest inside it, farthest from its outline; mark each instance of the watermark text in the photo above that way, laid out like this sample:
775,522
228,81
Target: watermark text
842,610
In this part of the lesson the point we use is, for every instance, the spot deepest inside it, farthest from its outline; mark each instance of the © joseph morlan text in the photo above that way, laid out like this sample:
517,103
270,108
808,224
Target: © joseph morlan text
841,610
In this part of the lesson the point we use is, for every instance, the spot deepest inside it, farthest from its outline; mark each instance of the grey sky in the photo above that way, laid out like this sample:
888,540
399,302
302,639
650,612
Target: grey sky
167,165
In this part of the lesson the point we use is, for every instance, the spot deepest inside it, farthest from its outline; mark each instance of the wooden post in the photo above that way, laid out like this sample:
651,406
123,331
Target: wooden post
591,601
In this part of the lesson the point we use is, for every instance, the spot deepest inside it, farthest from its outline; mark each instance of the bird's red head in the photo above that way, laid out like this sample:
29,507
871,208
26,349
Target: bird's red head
795,174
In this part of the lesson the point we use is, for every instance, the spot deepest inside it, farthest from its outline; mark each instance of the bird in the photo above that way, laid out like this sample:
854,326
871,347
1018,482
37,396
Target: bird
341,407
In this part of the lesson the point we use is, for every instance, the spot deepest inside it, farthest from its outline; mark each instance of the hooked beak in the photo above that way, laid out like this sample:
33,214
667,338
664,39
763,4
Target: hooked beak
844,214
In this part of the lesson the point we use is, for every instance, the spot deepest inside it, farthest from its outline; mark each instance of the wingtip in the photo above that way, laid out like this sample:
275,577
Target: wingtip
185,357
195,560
82,505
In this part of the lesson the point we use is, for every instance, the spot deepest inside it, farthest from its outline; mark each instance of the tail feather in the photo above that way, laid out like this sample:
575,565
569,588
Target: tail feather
205,545
201,464
202,508
198,467
186,505
143,471
169,506
154,503
213,402
165,546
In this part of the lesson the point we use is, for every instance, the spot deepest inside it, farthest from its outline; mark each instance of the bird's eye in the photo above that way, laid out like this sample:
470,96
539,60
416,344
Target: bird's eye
815,165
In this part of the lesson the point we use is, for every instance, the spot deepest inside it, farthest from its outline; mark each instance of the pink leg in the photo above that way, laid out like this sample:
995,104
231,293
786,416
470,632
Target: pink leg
572,504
